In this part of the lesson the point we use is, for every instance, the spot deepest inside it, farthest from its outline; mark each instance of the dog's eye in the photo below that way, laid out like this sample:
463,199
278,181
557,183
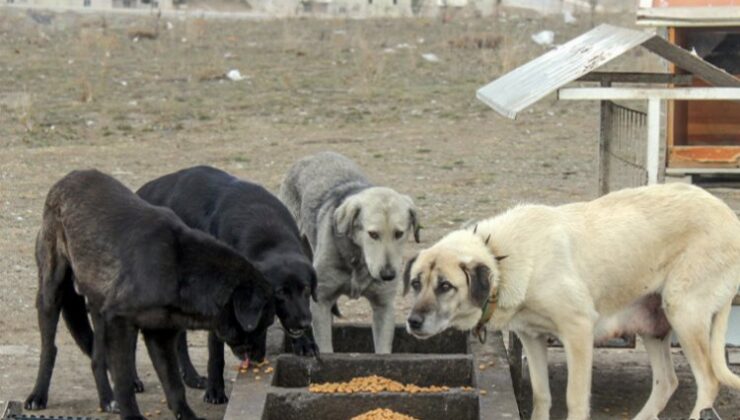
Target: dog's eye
373,234
398,234
444,286
416,285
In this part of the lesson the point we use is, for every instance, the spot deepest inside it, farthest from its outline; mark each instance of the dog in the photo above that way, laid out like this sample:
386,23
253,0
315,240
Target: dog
135,266
647,260
357,233
257,225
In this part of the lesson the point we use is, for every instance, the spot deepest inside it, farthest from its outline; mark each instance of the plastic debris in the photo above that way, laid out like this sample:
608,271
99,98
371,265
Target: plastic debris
234,75
544,38
430,57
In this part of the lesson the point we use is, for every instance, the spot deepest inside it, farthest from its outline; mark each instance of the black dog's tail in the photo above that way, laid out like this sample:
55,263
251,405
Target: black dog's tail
335,311
74,311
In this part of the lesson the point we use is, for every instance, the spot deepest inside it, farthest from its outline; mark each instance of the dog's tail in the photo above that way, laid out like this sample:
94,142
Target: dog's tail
717,348
74,311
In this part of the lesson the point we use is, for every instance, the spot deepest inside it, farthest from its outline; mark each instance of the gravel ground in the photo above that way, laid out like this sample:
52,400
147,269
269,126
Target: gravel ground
139,98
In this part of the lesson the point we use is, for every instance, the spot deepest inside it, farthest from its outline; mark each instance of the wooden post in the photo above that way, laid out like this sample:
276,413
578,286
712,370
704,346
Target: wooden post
605,134
653,140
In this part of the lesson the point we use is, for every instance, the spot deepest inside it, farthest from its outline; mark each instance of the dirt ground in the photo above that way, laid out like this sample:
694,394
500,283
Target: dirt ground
139,98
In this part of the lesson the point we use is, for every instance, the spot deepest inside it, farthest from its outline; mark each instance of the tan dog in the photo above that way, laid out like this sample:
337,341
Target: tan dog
645,260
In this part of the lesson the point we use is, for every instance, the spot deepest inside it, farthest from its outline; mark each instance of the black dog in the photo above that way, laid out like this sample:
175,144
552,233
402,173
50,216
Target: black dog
138,267
258,226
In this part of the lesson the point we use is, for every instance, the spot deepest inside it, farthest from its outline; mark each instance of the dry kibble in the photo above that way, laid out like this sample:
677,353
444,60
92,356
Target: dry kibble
163,401
258,377
482,366
372,384
269,370
483,392
256,370
157,411
383,414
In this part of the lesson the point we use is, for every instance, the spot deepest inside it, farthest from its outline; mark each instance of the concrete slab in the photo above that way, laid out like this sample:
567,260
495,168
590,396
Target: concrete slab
283,393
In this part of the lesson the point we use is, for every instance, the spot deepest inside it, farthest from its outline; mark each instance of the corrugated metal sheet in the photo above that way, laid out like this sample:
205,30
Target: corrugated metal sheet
518,89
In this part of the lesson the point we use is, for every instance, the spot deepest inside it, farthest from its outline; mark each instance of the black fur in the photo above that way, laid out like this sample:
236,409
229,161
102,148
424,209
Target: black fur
256,224
480,285
139,267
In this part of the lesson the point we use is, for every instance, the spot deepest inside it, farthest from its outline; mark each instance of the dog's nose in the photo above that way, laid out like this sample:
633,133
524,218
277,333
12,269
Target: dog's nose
387,273
415,321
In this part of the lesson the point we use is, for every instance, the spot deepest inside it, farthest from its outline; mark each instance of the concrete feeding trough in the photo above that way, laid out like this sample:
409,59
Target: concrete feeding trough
358,338
477,375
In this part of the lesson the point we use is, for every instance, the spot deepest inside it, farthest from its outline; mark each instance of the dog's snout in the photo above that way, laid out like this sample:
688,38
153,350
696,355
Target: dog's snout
387,273
305,323
415,321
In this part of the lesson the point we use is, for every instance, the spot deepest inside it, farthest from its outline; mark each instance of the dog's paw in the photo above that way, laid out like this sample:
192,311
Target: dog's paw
110,407
36,402
138,386
195,381
215,396
305,346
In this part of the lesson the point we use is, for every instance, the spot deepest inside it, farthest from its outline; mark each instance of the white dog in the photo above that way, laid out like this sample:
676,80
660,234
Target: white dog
645,260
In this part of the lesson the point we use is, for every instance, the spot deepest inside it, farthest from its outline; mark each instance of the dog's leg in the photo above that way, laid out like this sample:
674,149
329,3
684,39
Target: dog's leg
321,322
138,385
664,376
161,345
53,271
383,326
578,341
189,374
48,316
100,367
215,393
120,338
693,334
535,349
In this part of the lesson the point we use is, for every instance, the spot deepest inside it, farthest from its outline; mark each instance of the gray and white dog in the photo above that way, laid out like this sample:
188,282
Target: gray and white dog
357,232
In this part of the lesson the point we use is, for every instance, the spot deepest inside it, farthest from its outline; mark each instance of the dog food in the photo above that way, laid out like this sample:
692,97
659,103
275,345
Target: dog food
383,414
373,383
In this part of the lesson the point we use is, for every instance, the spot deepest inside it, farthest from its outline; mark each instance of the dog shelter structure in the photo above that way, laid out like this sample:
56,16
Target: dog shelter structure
631,146
702,137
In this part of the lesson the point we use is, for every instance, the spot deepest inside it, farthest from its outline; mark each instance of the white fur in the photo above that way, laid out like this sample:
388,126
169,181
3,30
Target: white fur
587,271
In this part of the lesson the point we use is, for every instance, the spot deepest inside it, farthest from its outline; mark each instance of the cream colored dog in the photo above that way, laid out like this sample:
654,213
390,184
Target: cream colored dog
645,260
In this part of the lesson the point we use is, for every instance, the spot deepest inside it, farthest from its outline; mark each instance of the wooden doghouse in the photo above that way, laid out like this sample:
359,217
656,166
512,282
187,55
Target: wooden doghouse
702,137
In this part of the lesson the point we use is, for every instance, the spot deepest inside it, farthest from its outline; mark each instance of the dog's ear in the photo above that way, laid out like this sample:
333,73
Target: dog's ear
249,305
479,282
407,274
345,216
314,284
413,215
413,218
306,246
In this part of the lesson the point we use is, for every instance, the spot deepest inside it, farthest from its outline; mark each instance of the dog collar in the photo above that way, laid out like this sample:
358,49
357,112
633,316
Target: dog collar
479,331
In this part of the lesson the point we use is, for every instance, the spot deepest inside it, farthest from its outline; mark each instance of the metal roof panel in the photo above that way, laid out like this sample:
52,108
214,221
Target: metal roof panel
520,88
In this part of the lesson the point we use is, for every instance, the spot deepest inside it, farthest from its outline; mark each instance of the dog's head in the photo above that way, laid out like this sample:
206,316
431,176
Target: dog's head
451,282
294,283
244,323
379,220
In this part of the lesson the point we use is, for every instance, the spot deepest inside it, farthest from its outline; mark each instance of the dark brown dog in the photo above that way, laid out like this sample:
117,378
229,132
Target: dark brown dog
137,266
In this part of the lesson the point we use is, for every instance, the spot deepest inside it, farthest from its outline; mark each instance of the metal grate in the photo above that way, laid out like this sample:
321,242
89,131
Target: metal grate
13,410
621,147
